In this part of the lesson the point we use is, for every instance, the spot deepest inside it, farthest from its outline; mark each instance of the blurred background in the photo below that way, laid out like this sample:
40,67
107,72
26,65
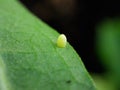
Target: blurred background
92,28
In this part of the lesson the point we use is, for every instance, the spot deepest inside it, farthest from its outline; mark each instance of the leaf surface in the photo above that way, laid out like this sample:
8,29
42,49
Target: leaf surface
30,58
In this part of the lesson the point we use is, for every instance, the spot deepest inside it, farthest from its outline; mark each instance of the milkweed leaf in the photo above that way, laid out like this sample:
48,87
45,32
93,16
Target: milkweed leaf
30,58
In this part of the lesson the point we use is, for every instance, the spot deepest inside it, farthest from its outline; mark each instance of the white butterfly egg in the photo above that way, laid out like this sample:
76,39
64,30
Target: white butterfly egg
61,41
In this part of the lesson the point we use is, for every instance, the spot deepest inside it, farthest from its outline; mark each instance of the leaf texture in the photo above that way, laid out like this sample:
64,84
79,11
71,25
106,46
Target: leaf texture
30,58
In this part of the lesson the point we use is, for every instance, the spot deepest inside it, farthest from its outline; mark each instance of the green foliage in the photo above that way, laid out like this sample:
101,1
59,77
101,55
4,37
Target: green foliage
103,83
29,57
108,45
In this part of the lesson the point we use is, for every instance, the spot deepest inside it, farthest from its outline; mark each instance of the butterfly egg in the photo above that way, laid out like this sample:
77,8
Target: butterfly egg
62,41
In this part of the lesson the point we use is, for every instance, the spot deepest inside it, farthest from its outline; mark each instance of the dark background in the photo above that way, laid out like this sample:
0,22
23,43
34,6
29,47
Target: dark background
77,19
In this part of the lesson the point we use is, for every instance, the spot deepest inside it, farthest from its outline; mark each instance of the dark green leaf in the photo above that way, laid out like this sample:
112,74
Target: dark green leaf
108,44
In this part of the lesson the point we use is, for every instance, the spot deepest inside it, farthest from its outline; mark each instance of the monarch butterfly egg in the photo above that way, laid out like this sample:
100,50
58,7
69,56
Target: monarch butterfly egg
61,41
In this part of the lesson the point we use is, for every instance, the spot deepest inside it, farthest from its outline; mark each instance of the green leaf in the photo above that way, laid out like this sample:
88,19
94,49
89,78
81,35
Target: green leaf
30,58
108,44
103,83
